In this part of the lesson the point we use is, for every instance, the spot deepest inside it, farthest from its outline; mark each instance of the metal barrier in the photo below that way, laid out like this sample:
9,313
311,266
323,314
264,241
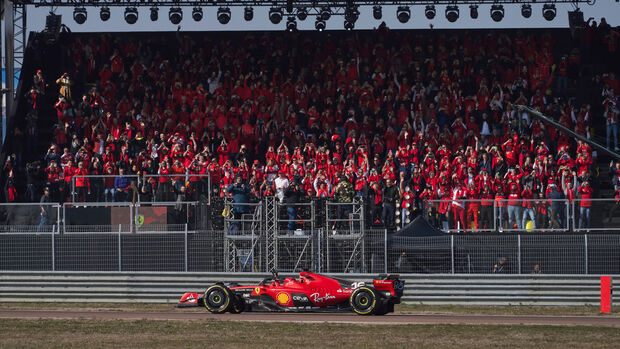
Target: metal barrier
30,217
96,189
595,215
349,214
167,287
470,216
197,185
371,252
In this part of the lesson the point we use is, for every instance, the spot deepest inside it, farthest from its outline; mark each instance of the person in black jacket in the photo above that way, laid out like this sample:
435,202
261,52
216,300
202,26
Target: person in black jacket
556,205
390,195
292,195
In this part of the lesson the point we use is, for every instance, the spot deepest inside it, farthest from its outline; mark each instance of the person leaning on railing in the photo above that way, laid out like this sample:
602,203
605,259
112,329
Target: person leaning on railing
121,186
585,194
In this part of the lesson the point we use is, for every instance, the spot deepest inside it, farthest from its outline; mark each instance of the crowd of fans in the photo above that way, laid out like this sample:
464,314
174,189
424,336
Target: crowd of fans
404,117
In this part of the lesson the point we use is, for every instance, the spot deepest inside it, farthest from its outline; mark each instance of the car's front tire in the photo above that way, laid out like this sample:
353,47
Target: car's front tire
217,299
364,300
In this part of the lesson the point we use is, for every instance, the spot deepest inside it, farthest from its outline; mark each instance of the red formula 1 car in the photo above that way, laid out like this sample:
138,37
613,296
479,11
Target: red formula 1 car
310,293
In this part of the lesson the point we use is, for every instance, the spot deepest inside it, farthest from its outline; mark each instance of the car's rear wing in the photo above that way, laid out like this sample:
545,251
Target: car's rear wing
392,284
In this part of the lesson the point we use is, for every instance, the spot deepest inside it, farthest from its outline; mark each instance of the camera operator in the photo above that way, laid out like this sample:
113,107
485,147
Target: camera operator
292,196
33,177
240,192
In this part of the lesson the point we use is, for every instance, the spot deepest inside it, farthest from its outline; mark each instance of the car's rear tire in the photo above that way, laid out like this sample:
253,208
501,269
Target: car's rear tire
364,300
217,299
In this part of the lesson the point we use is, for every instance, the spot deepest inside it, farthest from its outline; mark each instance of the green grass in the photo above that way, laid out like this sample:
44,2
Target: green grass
222,334
401,308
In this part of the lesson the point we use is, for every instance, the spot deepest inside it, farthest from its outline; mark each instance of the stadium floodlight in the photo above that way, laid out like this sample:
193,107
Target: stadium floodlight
223,15
154,14
526,10
497,12
291,24
131,15
302,13
275,15
319,24
403,13
197,14
452,13
175,15
473,11
79,15
430,11
248,14
549,11
325,13
377,12
104,13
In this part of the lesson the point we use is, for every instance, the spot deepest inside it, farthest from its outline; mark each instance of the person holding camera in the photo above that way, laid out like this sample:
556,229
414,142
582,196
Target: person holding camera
240,191
292,196
45,208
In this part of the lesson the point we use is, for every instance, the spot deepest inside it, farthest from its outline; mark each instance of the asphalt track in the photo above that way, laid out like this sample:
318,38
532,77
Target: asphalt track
391,319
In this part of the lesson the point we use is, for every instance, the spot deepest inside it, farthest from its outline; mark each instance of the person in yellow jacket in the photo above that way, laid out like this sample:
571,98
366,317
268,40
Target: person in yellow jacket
65,86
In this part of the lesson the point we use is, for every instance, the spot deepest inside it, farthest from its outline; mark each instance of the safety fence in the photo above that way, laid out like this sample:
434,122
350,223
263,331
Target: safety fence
534,215
373,251
134,188
167,287
102,217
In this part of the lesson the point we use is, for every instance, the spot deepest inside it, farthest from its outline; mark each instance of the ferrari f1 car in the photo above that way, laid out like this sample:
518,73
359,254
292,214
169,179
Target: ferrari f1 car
310,293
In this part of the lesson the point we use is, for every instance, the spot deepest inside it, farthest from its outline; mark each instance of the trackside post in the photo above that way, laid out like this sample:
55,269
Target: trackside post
606,294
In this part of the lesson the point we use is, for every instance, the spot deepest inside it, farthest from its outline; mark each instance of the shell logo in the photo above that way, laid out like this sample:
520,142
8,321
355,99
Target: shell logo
283,298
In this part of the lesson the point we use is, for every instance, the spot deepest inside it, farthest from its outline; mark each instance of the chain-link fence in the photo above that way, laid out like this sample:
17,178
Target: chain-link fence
374,251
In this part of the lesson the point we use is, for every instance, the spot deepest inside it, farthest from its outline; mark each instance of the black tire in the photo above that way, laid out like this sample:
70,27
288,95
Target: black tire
364,300
237,306
217,299
384,308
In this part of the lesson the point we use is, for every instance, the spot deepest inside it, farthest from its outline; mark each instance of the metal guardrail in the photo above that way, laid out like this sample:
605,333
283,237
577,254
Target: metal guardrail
419,289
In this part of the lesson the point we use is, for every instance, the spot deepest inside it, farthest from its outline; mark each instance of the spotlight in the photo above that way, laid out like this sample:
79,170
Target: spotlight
549,11
302,13
131,15
154,14
275,15
319,24
223,15
248,13
325,13
473,11
197,14
104,14
452,13
351,14
497,12
526,10
430,11
291,24
349,25
403,14
175,15
377,12
79,15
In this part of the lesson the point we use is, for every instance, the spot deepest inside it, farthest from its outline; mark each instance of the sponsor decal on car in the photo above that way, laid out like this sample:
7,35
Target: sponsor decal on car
283,298
300,298
317,298
257,290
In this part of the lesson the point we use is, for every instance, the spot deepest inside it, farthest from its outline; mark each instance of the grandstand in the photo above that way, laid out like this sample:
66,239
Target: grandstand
418,123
